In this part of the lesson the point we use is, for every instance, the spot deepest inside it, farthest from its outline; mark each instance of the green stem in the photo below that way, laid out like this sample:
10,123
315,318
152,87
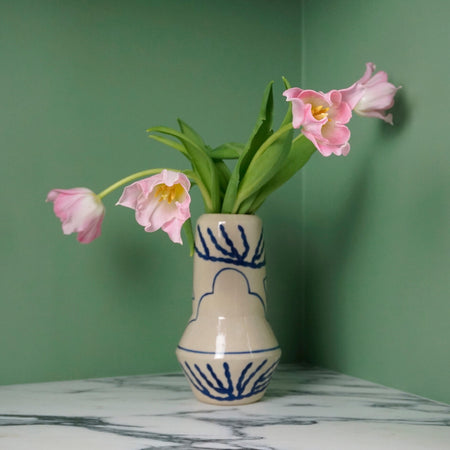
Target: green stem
203,191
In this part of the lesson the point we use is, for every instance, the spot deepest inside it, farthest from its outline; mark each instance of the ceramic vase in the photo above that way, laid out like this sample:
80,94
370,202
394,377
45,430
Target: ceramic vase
228,351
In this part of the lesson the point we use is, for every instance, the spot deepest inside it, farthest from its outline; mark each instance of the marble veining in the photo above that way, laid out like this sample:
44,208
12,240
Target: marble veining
304,409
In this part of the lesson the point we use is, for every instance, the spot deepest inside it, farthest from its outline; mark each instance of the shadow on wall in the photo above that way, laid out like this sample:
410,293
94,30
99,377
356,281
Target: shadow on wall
323,277
285,270
401,112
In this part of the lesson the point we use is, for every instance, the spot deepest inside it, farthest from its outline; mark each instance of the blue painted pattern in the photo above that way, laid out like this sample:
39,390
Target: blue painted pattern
213,251
251,381
207,294
246,352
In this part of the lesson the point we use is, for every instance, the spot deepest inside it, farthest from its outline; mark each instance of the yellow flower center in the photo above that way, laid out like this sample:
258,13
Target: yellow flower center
319,112
169,193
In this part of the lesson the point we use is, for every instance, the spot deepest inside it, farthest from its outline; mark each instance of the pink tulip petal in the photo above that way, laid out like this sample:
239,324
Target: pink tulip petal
79,210
353,94
130,196
323,117
372,95
173,229
90,233
380,77
341,112
155,214
335,133
298,113
160,202
370,69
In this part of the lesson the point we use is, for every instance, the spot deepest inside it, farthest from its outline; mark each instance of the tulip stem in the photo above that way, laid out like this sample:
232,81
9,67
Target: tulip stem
126,180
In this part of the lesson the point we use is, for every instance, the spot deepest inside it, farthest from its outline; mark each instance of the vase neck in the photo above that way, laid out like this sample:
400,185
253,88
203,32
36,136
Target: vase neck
229,260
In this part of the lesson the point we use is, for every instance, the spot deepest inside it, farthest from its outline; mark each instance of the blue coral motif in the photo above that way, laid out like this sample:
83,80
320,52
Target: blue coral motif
251,381
230,254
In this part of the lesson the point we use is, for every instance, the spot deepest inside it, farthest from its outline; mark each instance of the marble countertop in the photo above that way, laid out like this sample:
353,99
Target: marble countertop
303,409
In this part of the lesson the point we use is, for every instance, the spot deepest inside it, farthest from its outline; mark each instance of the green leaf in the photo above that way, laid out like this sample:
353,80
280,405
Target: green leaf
187,228
261,132
196,155
181,137
231,192
287,85
244,207
213,185
170,143
191,134
224,174
269,158
231,150
288,117
301,150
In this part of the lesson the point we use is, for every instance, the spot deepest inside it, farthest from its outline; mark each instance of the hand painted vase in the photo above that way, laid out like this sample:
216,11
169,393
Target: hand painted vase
228,351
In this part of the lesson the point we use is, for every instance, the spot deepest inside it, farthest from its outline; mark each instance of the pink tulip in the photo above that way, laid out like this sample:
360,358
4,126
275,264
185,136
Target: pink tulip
322,118
80,211
371,95
161,201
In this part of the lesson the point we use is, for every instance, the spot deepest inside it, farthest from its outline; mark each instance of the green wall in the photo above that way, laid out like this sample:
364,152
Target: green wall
377,222
357,273
80,83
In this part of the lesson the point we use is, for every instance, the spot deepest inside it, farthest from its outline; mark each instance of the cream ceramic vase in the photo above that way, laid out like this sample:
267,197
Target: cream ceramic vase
228,351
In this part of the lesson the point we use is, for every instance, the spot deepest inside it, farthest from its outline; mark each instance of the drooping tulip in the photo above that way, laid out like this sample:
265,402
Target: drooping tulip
161,202
372,95
80,211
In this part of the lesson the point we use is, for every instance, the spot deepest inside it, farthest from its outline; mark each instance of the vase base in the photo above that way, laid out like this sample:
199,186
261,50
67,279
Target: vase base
234,379
210,401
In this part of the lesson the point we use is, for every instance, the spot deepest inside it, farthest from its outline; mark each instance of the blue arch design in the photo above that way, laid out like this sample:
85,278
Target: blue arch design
213,289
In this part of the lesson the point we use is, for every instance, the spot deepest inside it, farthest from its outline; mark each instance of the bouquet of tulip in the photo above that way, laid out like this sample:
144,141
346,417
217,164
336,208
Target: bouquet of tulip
160,197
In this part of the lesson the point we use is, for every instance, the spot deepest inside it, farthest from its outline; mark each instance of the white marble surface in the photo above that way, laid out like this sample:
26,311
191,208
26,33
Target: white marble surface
303,409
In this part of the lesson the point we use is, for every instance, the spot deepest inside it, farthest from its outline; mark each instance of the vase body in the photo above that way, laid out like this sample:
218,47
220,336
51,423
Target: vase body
228,351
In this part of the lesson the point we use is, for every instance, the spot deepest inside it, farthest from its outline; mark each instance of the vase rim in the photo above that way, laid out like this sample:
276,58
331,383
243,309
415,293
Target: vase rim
228,215
231,218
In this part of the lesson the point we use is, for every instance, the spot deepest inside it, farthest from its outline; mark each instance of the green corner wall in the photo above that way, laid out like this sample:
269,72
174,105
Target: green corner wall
377,222
357,247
